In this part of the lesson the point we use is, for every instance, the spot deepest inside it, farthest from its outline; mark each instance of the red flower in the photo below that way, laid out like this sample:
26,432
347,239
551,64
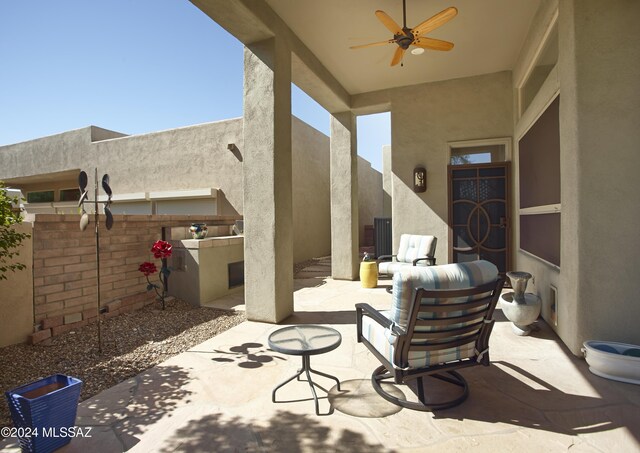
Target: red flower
161,249
148,268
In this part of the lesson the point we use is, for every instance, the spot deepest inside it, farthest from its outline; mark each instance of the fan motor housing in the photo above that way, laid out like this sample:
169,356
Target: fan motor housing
404,40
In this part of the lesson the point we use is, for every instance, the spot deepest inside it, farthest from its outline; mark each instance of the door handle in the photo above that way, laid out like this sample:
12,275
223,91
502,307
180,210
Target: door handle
503,222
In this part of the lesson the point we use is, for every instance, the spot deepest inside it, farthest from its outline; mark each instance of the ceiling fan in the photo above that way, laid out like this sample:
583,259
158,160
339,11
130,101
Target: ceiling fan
405,37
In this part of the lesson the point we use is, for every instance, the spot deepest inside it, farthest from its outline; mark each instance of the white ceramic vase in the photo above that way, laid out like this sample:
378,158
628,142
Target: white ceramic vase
521,308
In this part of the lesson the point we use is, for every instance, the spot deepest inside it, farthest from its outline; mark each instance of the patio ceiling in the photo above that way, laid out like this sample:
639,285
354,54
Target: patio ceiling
488,35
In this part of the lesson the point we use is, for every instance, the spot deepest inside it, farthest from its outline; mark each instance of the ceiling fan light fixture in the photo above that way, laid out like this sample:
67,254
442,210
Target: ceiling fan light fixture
405,37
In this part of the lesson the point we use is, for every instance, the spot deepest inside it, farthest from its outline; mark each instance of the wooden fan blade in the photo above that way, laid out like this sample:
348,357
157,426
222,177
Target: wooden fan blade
388,22
433,44
373,44
436,21
397,57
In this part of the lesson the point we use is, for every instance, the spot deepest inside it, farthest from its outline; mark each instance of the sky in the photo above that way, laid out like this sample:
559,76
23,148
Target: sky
133,66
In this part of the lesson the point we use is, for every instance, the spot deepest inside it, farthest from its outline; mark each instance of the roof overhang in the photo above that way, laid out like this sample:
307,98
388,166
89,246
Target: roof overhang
488,36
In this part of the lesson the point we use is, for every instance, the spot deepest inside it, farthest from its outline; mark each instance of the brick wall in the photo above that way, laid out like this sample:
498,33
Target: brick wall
64,265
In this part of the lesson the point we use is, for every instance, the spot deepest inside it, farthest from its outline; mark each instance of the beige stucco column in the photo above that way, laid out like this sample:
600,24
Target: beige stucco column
268,224
344,197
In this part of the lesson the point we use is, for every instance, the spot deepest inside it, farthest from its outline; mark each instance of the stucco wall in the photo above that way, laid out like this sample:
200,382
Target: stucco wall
596,77
370,195
178,159
186,158
599,136
16,295
387,187
45,155
311,198
424,118
214,262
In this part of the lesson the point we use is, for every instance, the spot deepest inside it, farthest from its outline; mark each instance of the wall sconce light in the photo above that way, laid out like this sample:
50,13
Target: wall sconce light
419,179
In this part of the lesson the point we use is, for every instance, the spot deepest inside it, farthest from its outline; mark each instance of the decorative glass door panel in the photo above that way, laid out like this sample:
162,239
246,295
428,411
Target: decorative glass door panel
479,214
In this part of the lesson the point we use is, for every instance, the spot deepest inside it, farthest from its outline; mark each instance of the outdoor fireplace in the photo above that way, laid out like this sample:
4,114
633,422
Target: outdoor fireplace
207,269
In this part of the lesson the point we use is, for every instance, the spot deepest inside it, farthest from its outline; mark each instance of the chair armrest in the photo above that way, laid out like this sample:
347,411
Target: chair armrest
373,314
430,259
385,258
368,310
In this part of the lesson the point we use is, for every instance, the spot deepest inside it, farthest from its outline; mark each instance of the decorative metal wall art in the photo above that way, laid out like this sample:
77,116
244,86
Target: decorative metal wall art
84,222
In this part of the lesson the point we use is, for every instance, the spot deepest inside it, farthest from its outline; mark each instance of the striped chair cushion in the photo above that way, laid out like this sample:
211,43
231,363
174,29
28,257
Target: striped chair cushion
405,285
382,340
447,276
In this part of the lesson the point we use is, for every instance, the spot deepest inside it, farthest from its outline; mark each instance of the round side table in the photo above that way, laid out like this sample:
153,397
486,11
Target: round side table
305,341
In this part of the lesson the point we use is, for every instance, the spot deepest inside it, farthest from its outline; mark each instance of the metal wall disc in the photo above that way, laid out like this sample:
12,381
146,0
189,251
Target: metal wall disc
84,221
109,221
82,181
105,185
83,197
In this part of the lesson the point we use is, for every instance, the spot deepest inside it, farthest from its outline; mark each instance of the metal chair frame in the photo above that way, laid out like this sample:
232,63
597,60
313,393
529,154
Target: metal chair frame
479,322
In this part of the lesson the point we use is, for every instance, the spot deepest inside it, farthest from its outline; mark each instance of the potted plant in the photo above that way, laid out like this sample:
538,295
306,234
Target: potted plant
44,412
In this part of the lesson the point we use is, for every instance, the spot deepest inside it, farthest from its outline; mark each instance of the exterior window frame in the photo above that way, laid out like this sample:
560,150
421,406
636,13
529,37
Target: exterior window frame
500,141
521,84
555,208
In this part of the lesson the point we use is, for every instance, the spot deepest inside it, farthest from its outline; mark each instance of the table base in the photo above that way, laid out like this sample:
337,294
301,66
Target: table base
306,368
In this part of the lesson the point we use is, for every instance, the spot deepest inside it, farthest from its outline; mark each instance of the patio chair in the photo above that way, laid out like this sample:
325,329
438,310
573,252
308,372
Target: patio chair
439,322
414,250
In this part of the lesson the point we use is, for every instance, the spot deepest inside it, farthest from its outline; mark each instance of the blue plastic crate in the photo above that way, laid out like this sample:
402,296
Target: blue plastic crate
45,406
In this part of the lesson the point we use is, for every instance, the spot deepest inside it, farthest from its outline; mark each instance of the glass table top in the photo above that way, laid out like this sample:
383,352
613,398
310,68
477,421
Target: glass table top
304,340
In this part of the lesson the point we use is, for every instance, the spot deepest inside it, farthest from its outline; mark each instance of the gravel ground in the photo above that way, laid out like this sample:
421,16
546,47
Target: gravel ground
132,343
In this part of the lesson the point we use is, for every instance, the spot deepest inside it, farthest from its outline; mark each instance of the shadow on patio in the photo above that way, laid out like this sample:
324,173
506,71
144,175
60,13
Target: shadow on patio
535,396
284,431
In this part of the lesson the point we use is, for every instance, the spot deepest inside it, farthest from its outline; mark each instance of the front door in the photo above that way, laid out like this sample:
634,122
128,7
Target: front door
479,214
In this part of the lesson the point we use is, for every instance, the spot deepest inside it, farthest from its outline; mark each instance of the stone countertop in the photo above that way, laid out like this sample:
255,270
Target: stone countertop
216,241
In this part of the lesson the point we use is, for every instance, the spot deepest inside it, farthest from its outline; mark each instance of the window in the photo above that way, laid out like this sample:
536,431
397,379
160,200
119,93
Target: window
477,155
543,65
42,196
539,175
69,194
479,151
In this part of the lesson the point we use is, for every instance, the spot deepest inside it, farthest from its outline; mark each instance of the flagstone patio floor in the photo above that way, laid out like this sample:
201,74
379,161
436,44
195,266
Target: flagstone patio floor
536,396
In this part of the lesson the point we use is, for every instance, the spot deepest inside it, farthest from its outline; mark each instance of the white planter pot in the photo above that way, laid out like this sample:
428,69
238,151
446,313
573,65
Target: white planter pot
520,314
521,308
611,360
